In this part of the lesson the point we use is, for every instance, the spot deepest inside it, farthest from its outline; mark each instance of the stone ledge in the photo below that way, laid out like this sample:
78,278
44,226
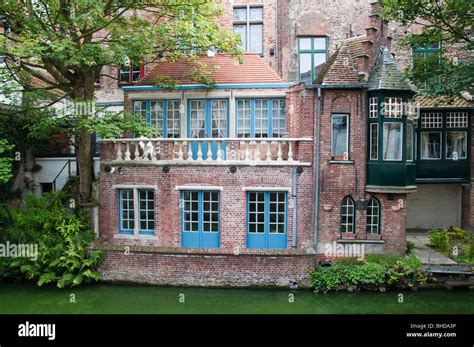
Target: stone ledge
207,251
203,163
360,241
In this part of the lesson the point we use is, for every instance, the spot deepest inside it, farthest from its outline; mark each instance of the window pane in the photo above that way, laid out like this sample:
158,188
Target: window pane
156,117
256,38
197,115
241,30
319,60
219,118
305,67
261,118
374,141
430,145
305,43
278,118
456,145
243,118
410,138
147,210
339,135
256,13
392,141
240,13
320,43
174,119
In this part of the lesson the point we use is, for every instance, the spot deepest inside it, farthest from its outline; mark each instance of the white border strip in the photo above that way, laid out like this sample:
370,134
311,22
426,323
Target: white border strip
199,188
266,189
132,186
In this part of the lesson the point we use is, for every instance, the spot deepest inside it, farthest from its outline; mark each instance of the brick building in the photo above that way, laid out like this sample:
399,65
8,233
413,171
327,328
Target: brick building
312,143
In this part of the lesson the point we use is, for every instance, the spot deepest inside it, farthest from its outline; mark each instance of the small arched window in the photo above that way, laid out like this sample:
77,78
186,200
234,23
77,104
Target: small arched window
347,215
373,216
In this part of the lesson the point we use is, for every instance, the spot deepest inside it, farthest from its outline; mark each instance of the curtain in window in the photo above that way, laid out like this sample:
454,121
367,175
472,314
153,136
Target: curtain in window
456,144
198,113
431,145
219,118
392,141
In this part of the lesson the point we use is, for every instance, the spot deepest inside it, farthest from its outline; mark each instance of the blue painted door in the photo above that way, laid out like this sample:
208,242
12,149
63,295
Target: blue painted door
208,118
200,219
267,220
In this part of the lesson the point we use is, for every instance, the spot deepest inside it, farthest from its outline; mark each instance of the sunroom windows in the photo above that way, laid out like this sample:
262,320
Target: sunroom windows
443,135
257,118
163,116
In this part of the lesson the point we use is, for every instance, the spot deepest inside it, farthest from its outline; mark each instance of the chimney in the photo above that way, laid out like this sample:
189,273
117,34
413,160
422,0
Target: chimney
377,32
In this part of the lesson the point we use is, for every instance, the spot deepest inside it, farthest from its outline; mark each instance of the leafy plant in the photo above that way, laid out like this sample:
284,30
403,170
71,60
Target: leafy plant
410,246
439,240
62,241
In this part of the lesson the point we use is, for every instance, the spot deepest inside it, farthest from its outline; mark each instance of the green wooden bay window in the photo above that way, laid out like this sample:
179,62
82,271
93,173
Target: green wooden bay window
312,53
443,146
390,140
163,115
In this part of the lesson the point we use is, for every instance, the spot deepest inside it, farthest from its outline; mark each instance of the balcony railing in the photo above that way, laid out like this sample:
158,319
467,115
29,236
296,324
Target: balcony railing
224,151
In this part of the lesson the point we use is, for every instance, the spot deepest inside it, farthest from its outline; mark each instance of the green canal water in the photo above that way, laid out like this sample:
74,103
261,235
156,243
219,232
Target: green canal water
107,298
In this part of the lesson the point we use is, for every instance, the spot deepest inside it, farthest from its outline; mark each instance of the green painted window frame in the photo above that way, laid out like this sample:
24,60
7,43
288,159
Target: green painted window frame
311,51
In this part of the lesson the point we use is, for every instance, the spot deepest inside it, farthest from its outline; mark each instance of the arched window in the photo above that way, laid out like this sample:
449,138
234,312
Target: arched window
347,215
373,216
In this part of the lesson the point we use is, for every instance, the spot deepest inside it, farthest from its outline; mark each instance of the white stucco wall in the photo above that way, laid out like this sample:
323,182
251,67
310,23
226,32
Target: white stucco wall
50,167
434,206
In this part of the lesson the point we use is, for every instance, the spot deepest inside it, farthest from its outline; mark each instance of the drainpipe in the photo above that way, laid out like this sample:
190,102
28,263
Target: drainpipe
294,198
317,149
277,55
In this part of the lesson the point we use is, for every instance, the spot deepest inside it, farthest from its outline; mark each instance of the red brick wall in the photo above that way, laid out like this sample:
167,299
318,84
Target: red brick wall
233,200
199,270
338,180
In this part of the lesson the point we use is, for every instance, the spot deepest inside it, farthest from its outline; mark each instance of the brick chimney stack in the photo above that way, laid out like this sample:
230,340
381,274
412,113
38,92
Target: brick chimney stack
377,32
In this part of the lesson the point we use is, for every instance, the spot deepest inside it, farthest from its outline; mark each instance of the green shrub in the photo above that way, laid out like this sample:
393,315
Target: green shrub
439,240
375,272
410,247
457,234
62,239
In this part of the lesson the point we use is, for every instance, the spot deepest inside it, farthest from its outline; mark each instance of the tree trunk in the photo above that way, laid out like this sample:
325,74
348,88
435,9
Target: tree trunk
84,97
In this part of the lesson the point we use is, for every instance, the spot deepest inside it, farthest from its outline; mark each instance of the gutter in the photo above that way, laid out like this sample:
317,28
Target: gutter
317,157
338,86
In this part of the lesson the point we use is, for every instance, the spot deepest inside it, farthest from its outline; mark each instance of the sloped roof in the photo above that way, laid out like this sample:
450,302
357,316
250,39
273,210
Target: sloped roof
385,74
224,70
443,101
341,67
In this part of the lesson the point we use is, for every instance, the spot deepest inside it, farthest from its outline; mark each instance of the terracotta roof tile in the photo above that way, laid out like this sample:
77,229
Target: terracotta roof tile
228,70
443,101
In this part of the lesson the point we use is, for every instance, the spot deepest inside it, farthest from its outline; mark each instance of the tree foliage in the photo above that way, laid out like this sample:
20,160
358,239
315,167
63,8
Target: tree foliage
61,46
449,22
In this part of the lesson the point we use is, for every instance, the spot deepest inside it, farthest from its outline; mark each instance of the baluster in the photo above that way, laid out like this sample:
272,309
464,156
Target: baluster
220,144
137,152
209,150
127,151
190,150
151,149
257,151
199,156
269,152
180,149
247,150
119,151
290,150
279,153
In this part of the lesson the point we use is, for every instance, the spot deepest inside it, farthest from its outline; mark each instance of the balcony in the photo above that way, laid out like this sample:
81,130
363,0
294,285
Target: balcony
208,151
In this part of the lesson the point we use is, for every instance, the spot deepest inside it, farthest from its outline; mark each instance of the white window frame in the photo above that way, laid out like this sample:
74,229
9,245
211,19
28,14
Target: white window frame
344,226
248,22
457,120
371,226
397,103
446,149
371,142
440,145
347,134
401,141
432,120
373,107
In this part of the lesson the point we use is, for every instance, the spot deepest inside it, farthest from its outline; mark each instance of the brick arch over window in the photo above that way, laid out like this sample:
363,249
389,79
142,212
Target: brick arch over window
348,215
268,182
341,104
212,181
